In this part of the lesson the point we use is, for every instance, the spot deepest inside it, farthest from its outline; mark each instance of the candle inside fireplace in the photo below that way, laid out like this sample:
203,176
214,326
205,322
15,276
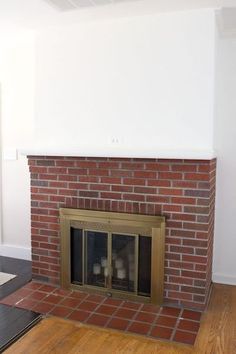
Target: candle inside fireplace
104,262
96,268
106,272
121,273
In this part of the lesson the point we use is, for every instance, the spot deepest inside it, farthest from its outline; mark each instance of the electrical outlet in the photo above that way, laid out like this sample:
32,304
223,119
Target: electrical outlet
115,140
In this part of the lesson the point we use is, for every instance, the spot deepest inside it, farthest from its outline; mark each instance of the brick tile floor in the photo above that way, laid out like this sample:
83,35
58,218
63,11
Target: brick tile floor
166,323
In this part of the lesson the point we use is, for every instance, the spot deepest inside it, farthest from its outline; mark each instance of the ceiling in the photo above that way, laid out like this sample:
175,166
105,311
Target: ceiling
67,5
28,14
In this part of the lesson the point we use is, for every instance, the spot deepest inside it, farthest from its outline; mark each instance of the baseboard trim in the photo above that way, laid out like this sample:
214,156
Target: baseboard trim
15,252
223,279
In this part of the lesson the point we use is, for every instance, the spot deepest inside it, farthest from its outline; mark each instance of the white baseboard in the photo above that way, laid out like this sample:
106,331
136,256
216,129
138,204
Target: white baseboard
15,252
224,279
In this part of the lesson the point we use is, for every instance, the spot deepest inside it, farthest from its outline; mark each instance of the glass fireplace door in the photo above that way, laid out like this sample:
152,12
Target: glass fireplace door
96,264
110,260
114,261
124,262
113,253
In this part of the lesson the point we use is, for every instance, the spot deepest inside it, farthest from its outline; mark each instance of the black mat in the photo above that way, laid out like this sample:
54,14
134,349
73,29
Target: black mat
21,268
14,322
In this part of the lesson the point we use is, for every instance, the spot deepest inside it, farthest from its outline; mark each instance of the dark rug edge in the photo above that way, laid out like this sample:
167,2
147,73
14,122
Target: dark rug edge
22,332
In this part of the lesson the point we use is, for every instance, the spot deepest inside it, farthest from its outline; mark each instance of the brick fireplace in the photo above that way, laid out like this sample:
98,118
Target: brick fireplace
181,190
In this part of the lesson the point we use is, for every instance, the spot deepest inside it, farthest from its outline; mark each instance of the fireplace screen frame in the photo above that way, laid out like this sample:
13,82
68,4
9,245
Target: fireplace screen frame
111,222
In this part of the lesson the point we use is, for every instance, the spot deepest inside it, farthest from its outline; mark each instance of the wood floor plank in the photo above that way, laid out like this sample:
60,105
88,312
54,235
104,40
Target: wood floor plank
218,328
54,335
217,334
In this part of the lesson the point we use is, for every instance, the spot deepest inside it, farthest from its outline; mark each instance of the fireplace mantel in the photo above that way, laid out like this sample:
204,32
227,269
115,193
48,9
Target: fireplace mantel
122,152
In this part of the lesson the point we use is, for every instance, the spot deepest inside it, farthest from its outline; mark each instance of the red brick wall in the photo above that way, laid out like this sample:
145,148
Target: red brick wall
182,190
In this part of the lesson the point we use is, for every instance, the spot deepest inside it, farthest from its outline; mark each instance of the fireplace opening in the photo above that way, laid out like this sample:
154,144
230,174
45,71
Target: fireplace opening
113,253
113,261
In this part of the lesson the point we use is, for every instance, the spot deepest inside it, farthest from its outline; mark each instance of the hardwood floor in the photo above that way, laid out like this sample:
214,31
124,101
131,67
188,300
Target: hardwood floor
218,329
217,334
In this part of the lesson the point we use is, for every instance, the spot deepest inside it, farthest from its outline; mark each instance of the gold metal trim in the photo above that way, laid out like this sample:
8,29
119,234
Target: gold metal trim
109,258
136,255
83,262
109,222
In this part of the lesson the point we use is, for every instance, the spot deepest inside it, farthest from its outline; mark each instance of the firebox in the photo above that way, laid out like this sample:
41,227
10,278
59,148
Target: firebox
113,253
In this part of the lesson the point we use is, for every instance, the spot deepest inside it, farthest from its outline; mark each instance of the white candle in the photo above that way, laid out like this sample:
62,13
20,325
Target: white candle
106,272
119,263
104,262
96,268
121,273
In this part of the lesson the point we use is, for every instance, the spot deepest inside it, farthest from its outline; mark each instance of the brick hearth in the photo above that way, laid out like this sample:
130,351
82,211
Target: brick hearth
181,190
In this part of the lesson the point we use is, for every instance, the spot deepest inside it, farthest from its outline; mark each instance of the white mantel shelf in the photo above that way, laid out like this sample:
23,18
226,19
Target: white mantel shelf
116,152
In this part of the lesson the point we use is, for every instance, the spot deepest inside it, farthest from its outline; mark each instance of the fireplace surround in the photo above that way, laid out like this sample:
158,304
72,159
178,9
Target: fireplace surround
181,190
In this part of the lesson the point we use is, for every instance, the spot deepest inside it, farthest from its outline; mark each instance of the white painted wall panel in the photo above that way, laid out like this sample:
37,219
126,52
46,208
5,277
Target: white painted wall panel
146,81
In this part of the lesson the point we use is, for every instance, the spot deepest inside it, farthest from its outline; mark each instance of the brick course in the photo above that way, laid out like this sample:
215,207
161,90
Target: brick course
181,190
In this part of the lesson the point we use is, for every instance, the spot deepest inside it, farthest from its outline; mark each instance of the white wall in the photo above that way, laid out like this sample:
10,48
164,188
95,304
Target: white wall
17,97
225,143
147,81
